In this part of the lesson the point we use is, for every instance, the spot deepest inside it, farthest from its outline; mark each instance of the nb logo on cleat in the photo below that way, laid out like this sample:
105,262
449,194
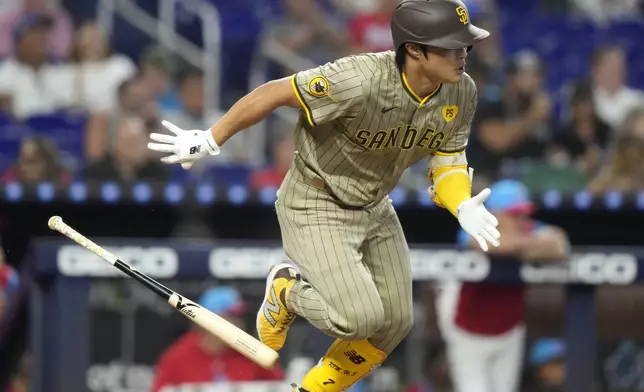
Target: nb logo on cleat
355,357
272,307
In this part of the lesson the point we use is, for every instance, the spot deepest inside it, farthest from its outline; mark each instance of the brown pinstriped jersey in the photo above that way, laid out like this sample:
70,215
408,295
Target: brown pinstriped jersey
361,125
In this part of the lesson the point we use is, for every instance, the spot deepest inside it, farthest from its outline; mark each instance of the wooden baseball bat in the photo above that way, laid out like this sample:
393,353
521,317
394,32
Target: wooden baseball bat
236,338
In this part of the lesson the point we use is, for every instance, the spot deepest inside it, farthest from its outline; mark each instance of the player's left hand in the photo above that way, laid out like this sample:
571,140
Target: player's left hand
477,221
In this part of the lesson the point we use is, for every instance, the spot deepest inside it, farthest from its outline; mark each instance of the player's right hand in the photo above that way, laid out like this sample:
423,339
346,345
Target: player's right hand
185,147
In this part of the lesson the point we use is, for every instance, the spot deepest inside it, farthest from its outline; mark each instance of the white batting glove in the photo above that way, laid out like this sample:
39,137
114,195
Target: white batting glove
185,147
477,221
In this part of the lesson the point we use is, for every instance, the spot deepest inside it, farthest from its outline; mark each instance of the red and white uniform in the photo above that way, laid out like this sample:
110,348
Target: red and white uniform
483,328
482,325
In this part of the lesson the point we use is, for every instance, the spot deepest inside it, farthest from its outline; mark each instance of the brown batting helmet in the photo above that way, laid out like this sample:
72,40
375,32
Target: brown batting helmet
439,23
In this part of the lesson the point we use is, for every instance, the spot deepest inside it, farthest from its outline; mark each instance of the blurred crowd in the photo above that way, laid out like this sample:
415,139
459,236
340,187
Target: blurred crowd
72,107
518,133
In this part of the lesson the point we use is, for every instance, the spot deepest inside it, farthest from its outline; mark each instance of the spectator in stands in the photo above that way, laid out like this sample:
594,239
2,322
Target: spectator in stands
486,59
191,109
624,170
129,161
483,76
483,324
313,29
134,100
547,359
59,38
199,357
583,139
193,112
29,84
515,126
158,69
96,73
150,113
282,158
371,31
613,98
38,161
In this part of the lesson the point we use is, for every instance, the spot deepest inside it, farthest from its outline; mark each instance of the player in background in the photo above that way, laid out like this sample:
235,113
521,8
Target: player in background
482,324
200,358
364,119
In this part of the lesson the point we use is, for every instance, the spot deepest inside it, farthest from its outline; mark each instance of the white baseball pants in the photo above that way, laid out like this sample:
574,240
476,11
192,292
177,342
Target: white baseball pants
479,363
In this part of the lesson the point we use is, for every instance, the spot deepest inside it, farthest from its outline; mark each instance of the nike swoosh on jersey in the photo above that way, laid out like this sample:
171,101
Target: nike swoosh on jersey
385,110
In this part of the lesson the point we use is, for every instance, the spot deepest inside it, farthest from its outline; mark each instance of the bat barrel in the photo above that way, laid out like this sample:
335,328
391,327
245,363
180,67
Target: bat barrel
235,337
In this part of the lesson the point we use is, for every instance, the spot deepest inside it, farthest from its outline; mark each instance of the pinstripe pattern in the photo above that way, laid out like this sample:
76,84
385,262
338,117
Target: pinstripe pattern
386,255
360,127
324,241
365,128
355,262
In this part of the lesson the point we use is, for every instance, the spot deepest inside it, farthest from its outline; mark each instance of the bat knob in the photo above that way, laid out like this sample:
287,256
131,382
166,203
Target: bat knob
54,221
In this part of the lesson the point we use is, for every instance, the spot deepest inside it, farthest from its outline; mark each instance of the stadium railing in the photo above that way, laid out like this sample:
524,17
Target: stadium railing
162,28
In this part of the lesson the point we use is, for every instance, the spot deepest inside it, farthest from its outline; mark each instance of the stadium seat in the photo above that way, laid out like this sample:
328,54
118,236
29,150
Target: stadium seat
517,7
5,163
5,120
11,136
46,123
9,147
232,174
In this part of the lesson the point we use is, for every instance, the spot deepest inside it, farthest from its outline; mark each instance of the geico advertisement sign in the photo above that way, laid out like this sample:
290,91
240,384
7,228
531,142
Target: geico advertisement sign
158,262
249,263
588,268
244,263
449,264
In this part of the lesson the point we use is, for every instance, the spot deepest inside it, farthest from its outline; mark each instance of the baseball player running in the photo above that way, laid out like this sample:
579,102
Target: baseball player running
363,120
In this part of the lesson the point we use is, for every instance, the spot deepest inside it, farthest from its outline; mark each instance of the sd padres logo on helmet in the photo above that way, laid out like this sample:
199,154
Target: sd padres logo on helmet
463,16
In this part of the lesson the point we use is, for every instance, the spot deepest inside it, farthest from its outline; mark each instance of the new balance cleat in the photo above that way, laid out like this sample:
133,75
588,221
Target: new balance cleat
274,318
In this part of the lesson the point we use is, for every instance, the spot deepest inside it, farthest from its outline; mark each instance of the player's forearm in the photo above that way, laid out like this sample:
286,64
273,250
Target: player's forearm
550,245
253,108
452,186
